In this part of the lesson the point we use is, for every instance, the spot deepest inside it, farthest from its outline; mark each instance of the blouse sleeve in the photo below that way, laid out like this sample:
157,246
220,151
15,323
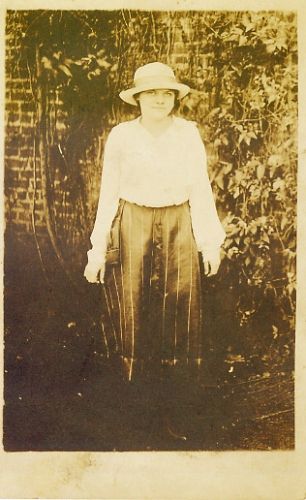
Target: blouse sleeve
207,228
108,200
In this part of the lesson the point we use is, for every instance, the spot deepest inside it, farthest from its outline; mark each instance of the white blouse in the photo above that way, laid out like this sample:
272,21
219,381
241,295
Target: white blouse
156,171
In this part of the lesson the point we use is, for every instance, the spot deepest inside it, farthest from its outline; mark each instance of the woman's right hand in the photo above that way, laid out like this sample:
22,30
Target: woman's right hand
94,274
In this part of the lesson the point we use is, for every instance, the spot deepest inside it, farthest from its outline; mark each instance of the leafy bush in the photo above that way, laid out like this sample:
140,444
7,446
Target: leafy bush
251,135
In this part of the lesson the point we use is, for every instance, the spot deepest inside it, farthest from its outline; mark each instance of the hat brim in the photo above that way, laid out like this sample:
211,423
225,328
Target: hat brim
128,95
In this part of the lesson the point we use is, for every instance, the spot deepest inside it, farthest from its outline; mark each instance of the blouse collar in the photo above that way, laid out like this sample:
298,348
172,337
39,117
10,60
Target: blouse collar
162,134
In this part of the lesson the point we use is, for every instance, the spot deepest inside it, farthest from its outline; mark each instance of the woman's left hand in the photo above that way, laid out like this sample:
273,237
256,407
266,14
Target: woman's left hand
211,264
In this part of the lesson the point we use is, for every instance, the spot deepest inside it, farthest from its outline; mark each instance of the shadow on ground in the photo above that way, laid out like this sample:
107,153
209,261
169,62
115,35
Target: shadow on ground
61,395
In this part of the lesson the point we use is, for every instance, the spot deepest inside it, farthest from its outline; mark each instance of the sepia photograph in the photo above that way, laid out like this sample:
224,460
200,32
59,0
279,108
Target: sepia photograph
150,230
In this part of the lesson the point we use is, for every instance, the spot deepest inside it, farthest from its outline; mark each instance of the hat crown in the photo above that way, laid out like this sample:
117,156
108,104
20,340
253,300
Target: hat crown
155,69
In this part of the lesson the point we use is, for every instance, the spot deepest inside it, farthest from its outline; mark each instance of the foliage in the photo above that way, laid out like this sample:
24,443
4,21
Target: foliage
251,129
242,67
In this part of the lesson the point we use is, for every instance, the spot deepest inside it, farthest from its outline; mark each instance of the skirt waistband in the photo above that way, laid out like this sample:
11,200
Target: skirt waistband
174,205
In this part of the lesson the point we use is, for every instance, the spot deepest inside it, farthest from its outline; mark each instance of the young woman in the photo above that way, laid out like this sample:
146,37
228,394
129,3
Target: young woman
156,216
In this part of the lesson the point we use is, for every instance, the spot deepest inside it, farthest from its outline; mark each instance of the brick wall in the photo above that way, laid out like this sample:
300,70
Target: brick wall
24,206
22,174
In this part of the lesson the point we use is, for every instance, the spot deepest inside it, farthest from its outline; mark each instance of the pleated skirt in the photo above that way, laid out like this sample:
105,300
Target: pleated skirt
152,291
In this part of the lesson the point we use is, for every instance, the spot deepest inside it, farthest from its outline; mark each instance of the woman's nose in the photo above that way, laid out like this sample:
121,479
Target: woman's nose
159,97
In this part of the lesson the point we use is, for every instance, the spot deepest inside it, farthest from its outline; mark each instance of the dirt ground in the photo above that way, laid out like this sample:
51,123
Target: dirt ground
61,394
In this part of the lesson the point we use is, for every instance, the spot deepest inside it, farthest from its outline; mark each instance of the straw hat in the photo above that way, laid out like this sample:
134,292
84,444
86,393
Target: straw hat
151,76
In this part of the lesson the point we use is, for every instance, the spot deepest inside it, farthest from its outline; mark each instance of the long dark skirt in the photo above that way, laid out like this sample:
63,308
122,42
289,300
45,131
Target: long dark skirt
152,291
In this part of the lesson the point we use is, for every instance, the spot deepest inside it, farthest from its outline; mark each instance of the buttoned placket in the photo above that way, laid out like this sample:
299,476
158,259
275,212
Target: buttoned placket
157,251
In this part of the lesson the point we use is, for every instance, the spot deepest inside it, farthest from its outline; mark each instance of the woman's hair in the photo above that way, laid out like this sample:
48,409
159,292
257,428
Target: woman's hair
176,100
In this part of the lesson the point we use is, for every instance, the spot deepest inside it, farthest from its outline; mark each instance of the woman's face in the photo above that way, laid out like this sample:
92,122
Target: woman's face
156,104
